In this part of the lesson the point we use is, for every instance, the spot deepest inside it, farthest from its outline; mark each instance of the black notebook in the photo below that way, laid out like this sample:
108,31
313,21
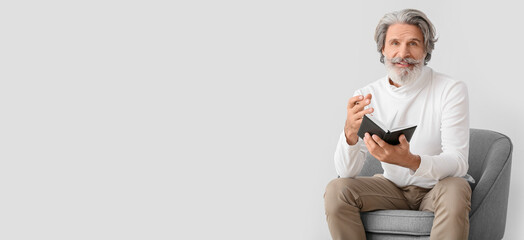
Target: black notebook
373,126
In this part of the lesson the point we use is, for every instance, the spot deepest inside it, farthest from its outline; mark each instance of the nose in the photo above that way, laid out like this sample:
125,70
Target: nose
404,52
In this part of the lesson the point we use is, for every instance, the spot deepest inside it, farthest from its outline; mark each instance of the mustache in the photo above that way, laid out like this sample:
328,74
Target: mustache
406,60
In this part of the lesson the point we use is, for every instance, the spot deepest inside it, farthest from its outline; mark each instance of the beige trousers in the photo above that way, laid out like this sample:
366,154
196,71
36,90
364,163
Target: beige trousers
449,200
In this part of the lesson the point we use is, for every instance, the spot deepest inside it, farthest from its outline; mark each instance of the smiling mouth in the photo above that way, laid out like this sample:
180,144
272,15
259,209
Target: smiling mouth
403,64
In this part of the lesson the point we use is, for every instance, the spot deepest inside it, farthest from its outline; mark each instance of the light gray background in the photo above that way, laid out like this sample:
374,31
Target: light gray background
212,119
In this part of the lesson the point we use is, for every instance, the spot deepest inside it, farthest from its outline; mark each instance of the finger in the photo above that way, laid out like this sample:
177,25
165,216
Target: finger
403,141
379,141
366,141
360,115
369,141
368,96
360,105
354,101
372,146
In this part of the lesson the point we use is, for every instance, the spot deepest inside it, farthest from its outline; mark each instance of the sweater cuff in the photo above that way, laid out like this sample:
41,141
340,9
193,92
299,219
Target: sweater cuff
423,168
348,147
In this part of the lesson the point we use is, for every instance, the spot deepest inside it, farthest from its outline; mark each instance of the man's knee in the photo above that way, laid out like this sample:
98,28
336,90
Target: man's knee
454,194
338,194
454,186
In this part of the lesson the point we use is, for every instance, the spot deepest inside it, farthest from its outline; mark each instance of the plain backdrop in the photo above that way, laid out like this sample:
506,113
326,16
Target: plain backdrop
213,119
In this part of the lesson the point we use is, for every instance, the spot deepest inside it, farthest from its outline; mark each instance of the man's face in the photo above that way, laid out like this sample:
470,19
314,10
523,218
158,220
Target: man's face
404,52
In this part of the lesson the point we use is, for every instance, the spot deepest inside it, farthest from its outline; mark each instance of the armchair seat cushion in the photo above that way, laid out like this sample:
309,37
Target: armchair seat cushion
399,222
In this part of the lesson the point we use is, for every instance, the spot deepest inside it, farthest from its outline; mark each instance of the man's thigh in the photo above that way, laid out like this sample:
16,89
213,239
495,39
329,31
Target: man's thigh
452,191
369,193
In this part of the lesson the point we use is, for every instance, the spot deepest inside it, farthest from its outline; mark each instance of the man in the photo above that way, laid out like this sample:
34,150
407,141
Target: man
424,174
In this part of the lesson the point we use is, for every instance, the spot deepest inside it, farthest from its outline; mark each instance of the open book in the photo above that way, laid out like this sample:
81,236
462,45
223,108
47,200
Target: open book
372,126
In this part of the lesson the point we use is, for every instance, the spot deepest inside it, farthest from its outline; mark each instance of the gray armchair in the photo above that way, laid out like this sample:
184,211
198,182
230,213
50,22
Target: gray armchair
490,166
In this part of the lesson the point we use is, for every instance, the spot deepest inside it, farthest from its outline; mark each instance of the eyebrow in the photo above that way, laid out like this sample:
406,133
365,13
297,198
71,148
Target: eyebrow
412,39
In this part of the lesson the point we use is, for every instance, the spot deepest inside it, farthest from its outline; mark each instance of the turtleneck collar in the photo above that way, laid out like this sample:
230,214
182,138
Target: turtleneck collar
412,88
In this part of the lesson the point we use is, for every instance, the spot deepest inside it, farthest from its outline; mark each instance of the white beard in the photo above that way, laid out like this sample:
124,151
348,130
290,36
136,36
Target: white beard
403,76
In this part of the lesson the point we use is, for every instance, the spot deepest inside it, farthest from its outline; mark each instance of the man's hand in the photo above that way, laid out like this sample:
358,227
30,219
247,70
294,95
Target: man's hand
393,154
355,114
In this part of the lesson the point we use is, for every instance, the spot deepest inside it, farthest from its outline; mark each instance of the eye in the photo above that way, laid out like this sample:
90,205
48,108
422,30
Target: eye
413,43
394,43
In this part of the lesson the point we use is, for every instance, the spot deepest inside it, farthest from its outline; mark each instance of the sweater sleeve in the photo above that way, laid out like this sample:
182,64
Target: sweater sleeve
453,160
349,160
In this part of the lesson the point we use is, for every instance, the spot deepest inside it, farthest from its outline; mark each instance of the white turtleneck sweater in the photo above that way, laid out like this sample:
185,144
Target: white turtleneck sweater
439,106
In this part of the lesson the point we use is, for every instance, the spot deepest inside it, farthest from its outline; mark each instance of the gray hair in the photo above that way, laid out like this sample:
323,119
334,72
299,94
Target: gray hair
407,16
